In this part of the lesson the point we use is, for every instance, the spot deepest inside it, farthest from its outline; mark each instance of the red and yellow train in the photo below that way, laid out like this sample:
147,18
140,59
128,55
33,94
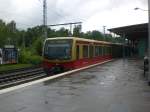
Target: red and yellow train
67,53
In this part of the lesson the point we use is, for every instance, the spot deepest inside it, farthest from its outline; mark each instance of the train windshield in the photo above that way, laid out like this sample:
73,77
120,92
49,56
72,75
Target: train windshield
58,49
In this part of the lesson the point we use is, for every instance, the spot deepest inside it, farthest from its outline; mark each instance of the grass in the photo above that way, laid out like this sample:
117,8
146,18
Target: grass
13,66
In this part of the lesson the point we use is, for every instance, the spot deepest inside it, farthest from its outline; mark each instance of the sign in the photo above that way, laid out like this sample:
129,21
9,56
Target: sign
9,46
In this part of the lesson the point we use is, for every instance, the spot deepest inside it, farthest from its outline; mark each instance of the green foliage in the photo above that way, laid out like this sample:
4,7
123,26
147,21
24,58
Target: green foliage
27,57
62,33
96,35
37,46
8,33
7,67
76,31
32,37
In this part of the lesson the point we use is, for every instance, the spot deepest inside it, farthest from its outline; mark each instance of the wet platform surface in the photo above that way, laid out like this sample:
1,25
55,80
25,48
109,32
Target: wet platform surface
117,86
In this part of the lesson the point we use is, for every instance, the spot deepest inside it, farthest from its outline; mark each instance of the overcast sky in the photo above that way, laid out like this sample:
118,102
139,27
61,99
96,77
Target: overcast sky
93,13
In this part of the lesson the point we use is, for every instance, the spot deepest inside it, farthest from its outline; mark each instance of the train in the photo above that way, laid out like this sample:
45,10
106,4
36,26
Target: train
68,53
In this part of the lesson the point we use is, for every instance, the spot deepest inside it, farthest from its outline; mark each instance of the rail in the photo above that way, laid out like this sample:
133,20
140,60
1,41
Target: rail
20,76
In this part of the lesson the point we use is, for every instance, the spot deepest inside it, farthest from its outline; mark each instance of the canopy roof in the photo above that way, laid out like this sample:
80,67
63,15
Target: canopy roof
132,32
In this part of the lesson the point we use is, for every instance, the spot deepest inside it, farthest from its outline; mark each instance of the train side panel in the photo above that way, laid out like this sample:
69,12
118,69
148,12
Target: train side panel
91,57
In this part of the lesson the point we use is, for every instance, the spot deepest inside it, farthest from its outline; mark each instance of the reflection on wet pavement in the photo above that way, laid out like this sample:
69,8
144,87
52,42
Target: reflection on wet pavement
117,86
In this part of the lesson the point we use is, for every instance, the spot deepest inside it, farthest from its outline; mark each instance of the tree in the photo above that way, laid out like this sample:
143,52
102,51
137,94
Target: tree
38,45
96,35
77,31
62,32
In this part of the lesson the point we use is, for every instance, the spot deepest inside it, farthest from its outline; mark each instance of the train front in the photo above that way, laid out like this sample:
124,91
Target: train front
57,55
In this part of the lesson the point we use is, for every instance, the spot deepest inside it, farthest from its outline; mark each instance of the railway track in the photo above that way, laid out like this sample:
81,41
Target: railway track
20,76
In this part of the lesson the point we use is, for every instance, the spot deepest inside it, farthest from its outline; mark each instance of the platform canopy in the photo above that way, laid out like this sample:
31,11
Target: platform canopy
132,32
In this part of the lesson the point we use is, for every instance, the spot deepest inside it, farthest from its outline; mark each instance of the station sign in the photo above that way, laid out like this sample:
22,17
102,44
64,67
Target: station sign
9,46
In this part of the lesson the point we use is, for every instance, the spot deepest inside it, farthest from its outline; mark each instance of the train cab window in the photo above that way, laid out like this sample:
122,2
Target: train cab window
77,52
85,51
58,49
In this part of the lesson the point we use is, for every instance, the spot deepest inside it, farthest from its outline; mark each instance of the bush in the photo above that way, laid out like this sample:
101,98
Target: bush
27,57
36,60
37,46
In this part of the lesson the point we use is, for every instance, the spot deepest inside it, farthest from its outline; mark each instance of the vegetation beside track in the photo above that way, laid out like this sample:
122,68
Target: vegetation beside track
29,57
13,67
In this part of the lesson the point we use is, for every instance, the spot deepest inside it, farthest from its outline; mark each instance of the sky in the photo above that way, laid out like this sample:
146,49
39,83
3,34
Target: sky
93,13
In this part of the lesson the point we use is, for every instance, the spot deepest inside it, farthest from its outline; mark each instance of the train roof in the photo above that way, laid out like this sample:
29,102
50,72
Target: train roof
80,39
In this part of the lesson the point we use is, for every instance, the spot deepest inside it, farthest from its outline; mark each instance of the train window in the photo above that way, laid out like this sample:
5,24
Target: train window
77,52
108,50
91,51
85,51
96,50
104,50
100,51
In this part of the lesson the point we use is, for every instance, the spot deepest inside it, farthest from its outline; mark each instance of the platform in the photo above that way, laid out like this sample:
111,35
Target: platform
117,86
